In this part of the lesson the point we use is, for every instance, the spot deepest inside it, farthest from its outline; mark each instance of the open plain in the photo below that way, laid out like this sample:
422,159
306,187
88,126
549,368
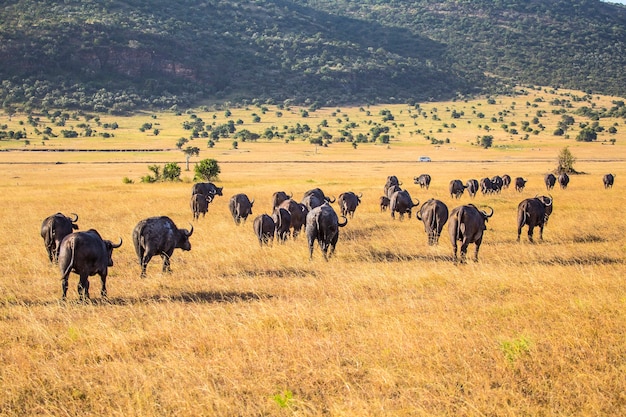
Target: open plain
389,326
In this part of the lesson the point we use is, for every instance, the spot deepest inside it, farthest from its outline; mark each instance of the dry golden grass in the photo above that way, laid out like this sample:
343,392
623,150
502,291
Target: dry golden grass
389,326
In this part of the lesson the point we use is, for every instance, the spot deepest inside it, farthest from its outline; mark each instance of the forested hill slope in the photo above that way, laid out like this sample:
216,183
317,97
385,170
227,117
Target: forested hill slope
117,56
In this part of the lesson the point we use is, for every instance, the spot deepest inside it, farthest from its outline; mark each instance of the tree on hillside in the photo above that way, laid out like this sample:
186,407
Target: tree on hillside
189,152
207,170
566,162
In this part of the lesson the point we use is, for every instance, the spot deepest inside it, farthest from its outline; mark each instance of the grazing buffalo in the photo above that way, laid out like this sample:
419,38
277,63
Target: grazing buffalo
278,197
563,180
472,187
298,214
200,205
315,198
206,188
384,203
456,188
53,229
467,224
533,212
392,180
264,228
348,203
401,202
159,236
240,207
423,180
550,180
608,180
434,214
506,181
497,183
86,254
322,224
520,183
282,223
486,186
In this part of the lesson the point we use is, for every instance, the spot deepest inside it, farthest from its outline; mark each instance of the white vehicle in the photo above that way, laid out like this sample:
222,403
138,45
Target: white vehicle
424,159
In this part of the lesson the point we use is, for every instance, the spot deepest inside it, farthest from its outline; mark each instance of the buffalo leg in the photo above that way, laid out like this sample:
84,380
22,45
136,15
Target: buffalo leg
64,285
454,251
531,230
103,290
464,246
83,287
477,243
144,263
541,231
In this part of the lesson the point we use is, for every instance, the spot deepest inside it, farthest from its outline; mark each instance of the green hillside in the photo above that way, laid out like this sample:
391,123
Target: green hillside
118,56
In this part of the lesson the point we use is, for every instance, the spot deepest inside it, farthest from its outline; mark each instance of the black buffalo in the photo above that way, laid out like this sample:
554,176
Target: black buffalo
608,180
506,181
550,180
486,186
533,212
384,203
53,229
520,183
86,254
392,189
278,197
200,205
298,214
456,188
315,198
206,188
282,223
434,214
264,228
240,207
348,203
322,224
563,180
401,203
392,181
472,187
466,225
497,183
423,180
159,236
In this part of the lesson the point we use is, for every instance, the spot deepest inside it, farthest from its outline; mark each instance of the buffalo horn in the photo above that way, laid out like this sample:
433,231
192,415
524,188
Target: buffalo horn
490,214
344,223
416,204
190,230
209,198
75,218
550,200
332,200
118,245
360,195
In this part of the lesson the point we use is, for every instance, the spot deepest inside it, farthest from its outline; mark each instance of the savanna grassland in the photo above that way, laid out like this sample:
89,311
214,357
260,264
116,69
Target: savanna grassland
389,326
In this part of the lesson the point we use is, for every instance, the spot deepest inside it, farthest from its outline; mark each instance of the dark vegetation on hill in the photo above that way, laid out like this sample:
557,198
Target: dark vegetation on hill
118,56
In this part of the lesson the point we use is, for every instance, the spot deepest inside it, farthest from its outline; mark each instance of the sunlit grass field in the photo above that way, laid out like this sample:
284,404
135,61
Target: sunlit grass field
389,326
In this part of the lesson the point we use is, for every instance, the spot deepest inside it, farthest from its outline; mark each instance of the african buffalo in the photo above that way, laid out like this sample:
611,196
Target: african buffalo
533,212
467,224
520,183
314,198
456,188
159,236
608,180
423,180
506,181
282,223
486,186
497,183
322,224
53,229
472,187
384,203
434,214
86,254
391,190
264,227
298,214
392,180
563,180
240,207
206,188
550,180
278,197
200,205
348,203
401,202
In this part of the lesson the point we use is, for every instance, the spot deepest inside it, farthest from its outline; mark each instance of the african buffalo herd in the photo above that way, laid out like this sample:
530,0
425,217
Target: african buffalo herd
87,253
